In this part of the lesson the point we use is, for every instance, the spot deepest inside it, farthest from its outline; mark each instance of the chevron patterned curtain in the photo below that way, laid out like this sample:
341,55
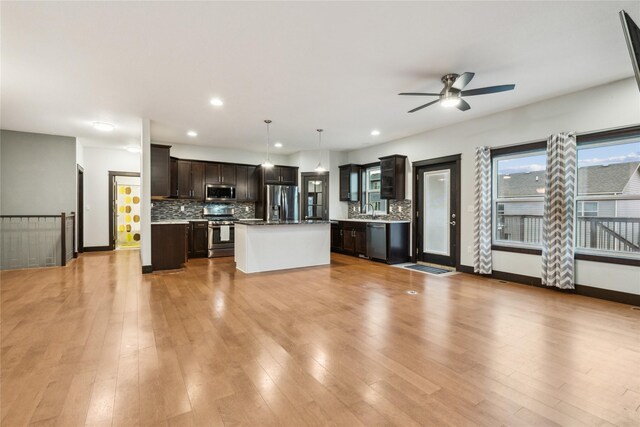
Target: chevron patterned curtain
557,231
482,213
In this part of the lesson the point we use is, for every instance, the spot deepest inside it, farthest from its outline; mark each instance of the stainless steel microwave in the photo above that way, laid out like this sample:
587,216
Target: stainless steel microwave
220,193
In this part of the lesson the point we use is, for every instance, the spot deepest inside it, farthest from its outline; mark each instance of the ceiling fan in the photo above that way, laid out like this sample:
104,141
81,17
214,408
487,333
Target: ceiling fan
451,95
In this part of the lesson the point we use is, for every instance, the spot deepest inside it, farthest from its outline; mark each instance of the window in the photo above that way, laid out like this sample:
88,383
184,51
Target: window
372,204
608,198
518,197
587,209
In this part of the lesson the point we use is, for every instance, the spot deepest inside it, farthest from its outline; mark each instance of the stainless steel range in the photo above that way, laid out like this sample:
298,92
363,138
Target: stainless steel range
221,230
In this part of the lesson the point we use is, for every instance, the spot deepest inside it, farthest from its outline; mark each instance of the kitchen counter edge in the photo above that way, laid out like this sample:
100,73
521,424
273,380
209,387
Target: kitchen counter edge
281,222
381,221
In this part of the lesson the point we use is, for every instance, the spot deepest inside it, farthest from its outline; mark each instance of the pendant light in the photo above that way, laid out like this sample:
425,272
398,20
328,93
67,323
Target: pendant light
320,168
267,163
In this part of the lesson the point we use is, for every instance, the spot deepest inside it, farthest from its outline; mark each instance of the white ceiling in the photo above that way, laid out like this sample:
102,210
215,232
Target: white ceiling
304,65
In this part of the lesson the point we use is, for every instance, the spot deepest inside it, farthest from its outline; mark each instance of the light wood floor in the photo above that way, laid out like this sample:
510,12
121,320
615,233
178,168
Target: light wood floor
96,343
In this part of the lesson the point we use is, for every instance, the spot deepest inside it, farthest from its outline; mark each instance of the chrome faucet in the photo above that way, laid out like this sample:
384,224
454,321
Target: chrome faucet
373,210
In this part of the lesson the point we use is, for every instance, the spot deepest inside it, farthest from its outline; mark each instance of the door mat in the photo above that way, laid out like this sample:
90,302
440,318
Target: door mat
427,269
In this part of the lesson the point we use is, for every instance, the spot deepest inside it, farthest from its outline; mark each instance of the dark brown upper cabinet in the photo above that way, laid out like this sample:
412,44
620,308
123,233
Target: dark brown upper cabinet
221,173
288,175
160,171
350,183
246,183
280,175
191,179
174,176
392,176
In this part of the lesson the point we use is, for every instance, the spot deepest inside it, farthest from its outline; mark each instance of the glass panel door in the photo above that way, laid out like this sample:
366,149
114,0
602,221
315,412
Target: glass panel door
314,197
437,190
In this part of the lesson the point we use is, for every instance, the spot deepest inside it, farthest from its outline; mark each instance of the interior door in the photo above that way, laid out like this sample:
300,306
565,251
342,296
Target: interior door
437,219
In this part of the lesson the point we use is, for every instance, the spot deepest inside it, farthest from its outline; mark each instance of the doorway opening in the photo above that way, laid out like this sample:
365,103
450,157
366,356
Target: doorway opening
80,210
436,235
315,196
124,210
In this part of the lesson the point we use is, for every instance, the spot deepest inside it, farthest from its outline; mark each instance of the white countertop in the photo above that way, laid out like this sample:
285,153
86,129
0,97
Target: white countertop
384,221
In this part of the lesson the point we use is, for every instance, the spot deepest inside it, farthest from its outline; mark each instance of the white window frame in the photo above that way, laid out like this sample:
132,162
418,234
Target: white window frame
365,208
495,200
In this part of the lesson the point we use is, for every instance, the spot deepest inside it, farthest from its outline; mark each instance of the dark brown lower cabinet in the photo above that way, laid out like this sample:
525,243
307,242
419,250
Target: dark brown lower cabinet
198,243
169,246
354,238
336,237
350,238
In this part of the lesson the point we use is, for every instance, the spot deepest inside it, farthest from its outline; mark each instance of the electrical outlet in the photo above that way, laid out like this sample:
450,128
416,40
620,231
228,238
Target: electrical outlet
470,208
470,249
182,208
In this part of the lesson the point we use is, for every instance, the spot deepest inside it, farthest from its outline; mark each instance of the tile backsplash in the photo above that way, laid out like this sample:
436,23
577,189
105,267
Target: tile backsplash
398,210
163,210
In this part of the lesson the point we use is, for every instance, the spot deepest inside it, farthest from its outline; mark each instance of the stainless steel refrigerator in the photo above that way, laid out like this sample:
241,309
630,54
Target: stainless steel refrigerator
282,203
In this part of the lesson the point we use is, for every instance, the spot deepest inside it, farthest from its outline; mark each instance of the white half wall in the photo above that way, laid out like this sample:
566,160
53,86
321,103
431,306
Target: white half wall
97,164
608,106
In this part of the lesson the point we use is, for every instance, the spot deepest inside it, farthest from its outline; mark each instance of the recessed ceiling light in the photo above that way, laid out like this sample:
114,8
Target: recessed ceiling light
375,132
105,127
216,102
192,133
133,149
278,145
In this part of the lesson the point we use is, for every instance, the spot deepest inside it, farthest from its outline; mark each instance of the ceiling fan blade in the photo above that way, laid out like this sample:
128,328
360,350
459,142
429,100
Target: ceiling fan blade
463,105
419,94
462,80
486,90
423,106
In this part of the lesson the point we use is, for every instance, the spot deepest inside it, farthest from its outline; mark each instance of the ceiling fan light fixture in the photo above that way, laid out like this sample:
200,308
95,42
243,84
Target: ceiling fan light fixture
450,101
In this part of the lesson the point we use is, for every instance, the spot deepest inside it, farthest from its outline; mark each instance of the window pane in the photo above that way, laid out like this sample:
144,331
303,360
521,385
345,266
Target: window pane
519,182
610,225
371,192
609,169
519,222
436,222
521,176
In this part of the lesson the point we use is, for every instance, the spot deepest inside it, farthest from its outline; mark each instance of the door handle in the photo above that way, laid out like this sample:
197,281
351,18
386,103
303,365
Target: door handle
452,223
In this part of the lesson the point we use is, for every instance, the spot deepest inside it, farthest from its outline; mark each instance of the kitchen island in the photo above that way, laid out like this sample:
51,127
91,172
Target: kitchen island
267,246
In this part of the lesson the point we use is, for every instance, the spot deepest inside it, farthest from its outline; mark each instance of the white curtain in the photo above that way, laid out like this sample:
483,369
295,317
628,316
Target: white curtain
558,221
482,212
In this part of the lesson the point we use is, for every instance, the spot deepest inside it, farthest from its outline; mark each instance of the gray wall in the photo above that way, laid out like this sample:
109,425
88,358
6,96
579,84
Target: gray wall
38,173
